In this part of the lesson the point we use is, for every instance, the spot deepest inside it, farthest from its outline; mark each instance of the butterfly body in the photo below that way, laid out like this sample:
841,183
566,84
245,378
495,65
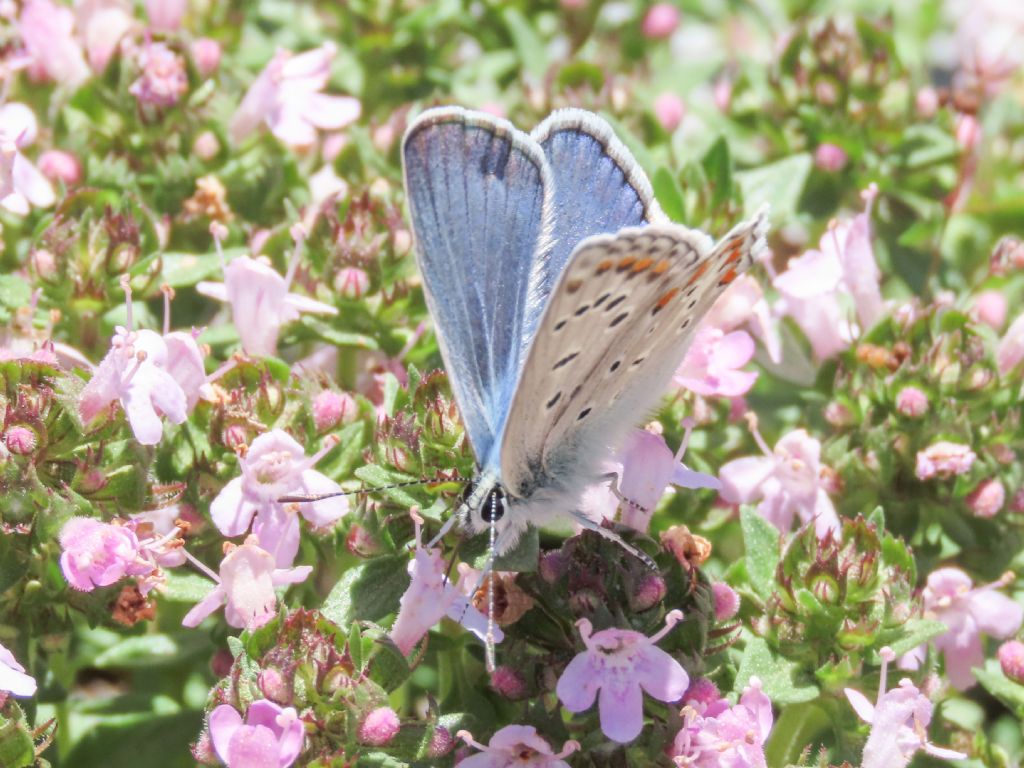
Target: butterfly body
562,296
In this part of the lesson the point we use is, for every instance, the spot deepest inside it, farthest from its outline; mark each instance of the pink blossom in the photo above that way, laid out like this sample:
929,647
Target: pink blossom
987,498
988,35
245,587
99,554
899,723
830,157
206,54
711,366
968,131
1010,351
515,746
101,26
727,602
742,304
20,440
22,185
990,308
270,737
944,459
786,482
162,80
670,110
926,102
165,15
968,611
352,282
185,365
1011,660
379,727
431,596
331,408
260,301
645,467
47,31
618,663
58,165
912,402
12,676
286,96
660,21
325,185
716,734
275,465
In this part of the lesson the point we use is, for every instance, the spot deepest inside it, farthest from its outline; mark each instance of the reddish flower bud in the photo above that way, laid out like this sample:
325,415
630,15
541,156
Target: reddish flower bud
1011,659
379,727
509,683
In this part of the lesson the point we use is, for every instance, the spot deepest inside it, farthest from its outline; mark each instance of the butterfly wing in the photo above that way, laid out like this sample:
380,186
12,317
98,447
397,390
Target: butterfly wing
599,187
617,326
479,195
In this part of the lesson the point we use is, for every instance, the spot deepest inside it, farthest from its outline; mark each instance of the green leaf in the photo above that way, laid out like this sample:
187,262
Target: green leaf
140,738
16,747
907,637
368,592
185,587
669,194
528,44
718,168
776,674
149,650
182,270
778,185
999,685
377,477
796,729
761,541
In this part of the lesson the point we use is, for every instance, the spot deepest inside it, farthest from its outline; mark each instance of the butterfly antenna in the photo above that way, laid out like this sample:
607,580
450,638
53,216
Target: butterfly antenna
300,498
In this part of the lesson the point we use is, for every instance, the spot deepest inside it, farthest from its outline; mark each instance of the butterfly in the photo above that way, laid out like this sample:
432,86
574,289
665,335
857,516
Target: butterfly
563,299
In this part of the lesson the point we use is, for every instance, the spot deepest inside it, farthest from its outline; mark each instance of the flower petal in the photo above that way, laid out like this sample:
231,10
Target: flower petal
213,600
865,709
742,478
997,615
231,511
622,712
660,675
577,687
224,721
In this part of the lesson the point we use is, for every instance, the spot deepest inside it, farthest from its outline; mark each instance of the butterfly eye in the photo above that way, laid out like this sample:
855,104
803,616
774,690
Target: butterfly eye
494,508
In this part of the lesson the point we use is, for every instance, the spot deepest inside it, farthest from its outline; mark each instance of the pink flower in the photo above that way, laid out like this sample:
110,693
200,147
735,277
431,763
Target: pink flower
58,165
431,596
814,284
944,460
162,80
711,366
134,372
331,408
950,597
1010,351
670,110
185,365
379,727
645,467
1011,659
270,737
515,746
899,723
926,102
12,676
727,602
786,482
166,15
286,96
618,663
830,157
352,282
22,185
987,498
246,588
990,308
101,26
912,402
717,735
99,554
742,304
660,21
206,54
47,30
275,465
260,301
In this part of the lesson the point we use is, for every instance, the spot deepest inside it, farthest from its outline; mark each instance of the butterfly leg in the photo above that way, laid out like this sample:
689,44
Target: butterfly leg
590,525
613,486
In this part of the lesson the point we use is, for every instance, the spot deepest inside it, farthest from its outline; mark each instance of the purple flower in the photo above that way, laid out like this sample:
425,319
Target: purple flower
899,723
431,596
742,304
711,366
786,482
260,301
286,96
22,185
645,467
968,612
944,460
716,734
619,663
270,737
99,554
162,80
165,15
246,587
47,30
12,676
275,465
516,746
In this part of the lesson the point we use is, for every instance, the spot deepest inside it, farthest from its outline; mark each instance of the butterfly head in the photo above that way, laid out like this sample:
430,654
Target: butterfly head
484,503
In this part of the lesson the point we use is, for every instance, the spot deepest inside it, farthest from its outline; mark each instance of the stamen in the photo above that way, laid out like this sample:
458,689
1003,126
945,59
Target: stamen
168,293
219,233
888,655
672,618
751,419
688,425
467,737
201,566
126,286
298,233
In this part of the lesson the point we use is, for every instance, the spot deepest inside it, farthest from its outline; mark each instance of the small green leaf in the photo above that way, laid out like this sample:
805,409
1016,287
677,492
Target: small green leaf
528,44
669,194
798,727
775,673
149,650
16,747
185,587
378,477
907,637
999,685
718,169
778,185
370,591
761,540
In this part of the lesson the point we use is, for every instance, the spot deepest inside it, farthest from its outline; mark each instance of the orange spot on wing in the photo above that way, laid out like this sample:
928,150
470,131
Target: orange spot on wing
667,297
728,277
604,266
734,254
643,264
626,262
661,266
700,270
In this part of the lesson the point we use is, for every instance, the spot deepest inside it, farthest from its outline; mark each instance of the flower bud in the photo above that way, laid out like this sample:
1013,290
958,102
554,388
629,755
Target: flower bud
670,111
830,157
58,165
379,727
360,543
583,602
331,408
162,81
44,263
274,686
352,282
206,55
660,22
990,308
987,498
206,146
401,242
838,415
927,102
702,691
235,436
441,742
552,566
648,592
912,402
509,683
1011,659
20,440
727,602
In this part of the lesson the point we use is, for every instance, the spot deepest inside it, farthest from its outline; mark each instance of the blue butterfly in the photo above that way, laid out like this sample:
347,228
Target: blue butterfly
562,296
